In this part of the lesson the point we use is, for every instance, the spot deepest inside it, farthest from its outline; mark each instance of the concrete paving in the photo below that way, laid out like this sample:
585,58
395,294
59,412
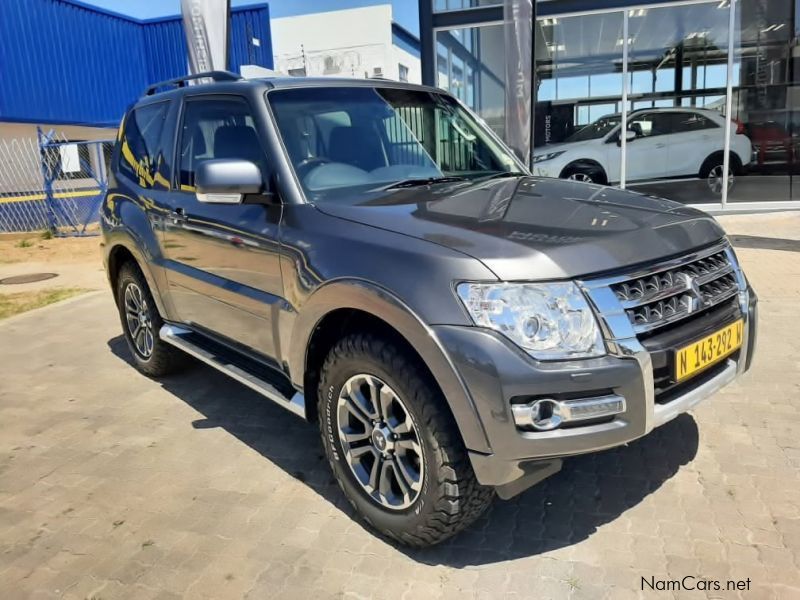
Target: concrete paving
88,276
113,485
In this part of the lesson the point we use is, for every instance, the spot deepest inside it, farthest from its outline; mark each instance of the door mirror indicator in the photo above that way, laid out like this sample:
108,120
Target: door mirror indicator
227,181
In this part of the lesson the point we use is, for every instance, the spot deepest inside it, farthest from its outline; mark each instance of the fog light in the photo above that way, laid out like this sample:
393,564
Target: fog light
546,414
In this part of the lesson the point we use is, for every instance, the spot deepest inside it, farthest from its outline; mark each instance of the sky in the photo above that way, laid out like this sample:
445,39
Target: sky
405,12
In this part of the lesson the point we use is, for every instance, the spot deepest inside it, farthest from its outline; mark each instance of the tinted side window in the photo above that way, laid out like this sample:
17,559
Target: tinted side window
141,156
662,124
683,122
642,124
217,128
651,124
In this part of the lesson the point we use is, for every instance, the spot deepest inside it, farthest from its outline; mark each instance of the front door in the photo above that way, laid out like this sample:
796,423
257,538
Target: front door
648,153
222,259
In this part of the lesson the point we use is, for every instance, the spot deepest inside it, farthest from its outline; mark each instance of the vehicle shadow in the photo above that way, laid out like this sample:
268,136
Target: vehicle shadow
764,243
567,508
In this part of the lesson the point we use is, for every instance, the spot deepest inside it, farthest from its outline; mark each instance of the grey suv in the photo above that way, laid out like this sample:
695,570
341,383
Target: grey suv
370,256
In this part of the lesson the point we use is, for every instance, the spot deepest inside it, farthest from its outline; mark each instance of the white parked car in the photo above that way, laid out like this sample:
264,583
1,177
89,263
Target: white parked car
662,143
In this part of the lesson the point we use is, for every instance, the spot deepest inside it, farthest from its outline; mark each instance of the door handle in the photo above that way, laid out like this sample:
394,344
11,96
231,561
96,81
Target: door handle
178,215
660,146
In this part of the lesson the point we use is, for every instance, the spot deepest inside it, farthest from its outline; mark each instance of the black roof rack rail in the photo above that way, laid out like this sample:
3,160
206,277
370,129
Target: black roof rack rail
182,81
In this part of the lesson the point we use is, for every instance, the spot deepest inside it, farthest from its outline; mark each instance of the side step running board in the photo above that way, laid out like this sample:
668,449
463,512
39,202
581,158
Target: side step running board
184,339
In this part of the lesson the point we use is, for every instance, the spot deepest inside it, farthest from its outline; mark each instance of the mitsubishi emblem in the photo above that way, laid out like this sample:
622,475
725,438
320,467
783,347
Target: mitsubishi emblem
696,301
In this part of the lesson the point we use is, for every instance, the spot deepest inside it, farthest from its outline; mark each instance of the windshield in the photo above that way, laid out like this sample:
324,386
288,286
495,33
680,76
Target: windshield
346,140
595,130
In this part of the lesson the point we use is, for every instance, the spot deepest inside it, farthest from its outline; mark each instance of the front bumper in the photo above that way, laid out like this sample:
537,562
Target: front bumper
497,375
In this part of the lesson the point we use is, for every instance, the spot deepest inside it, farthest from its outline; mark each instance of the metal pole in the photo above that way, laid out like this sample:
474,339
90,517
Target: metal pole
427,42
726,158
534,91
623,131
45,166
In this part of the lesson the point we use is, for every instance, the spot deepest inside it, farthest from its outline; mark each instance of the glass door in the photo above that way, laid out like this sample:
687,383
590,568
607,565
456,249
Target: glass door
765,100
579,93
676,123
470,64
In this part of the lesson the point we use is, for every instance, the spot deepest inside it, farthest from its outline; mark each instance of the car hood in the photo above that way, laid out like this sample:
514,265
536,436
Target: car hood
563,147
529,228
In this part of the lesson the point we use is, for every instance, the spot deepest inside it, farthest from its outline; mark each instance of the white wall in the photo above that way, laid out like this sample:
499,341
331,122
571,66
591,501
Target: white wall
345,43
10,131
401,56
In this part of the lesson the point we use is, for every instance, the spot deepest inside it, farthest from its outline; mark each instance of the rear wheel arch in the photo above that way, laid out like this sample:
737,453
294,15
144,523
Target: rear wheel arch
123,250
716,158
117,257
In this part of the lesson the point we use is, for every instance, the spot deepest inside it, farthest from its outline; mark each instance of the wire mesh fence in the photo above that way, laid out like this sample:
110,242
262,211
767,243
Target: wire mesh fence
52,183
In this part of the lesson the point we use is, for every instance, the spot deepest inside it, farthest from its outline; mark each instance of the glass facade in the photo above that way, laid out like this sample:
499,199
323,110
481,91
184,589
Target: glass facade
470,64
445,5
665,71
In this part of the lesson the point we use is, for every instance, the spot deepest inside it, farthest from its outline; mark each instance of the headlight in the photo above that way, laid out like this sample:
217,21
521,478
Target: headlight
550,321
548,156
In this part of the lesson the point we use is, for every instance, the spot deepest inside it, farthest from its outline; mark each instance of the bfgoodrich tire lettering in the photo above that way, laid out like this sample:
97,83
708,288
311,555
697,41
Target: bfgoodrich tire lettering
449,497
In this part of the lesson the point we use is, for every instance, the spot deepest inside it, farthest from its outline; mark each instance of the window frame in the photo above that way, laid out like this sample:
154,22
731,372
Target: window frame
207,97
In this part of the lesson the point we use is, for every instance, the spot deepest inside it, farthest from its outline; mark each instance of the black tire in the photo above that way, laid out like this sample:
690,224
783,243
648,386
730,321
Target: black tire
716,160
587,173
450,498
163,359
712,168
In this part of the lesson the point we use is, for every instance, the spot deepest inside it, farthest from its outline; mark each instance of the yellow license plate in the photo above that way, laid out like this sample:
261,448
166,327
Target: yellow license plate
695,357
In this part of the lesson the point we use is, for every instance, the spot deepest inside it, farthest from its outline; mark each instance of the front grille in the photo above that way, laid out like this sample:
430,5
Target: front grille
670,295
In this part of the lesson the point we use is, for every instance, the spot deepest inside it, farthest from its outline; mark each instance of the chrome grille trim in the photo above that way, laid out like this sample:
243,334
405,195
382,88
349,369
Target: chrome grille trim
668,292
657,268
674,288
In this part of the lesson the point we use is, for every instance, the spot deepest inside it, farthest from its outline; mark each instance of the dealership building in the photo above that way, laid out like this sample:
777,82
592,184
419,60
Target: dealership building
670,70
76,65
70,68
698,86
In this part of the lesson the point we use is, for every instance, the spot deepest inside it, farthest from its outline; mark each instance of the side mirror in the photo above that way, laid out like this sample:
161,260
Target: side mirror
227,181
630,135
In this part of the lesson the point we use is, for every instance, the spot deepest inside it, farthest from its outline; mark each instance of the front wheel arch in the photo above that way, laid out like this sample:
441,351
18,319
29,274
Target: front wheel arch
338,298
591,167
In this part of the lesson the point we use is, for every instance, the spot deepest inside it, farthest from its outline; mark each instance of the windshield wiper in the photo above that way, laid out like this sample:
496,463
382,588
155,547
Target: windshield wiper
407,183
500,175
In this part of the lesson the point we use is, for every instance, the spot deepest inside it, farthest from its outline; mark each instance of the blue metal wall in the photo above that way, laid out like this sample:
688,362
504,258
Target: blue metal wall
63,62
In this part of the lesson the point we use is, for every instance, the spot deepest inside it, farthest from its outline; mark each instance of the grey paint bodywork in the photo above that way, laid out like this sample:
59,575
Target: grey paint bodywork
398,255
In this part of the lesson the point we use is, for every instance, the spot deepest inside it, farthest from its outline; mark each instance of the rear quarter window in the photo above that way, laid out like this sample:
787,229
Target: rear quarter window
692,122
141,156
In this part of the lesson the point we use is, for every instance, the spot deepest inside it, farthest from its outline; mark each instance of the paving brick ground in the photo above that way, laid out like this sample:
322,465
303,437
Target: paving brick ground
113,485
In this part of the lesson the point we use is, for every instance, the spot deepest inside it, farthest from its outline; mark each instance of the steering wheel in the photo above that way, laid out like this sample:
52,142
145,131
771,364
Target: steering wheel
304,166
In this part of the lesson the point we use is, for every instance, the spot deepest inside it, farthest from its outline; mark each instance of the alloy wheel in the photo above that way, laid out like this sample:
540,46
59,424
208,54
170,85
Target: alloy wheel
140,325
715,179
584,177
380,441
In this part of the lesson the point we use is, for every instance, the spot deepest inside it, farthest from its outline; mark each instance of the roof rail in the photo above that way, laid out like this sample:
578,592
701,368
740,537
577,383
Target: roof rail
179,82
